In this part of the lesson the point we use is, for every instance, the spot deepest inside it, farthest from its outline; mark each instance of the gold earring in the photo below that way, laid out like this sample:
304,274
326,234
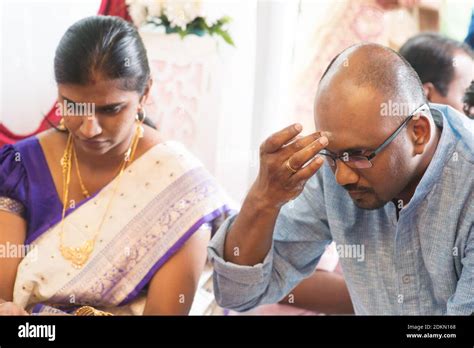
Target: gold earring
141,115
61,126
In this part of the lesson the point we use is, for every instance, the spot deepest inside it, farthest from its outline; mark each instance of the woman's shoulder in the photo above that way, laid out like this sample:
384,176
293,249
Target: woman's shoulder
26,158
30,143
14,159
52,140
174,154
151,138
30,147
156,146
168,158
14,154
10,161
49,134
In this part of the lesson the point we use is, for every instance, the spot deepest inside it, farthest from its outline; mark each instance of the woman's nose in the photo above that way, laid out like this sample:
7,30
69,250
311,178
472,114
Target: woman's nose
90,127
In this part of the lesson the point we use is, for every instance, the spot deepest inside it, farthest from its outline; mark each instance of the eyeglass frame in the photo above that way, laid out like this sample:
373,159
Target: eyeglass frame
371,156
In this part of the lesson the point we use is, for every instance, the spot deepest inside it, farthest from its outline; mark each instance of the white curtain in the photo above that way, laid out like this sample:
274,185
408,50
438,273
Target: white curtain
29,33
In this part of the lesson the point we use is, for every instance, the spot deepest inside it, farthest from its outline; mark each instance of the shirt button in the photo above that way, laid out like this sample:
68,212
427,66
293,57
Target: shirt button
406,279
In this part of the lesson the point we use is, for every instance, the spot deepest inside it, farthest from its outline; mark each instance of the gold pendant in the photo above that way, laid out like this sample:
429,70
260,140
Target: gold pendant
79,255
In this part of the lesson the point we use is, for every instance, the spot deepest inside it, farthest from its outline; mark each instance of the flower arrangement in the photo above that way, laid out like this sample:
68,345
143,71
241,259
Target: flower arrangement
184,17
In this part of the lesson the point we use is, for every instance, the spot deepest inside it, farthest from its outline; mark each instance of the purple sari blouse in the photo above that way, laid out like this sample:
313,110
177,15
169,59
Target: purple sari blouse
25,177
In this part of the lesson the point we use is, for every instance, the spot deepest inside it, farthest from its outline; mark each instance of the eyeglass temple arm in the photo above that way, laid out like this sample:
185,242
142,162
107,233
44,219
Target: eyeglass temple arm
423,107
390,138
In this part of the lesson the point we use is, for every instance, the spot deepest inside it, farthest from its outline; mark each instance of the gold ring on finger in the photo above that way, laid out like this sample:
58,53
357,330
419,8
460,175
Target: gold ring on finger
288,165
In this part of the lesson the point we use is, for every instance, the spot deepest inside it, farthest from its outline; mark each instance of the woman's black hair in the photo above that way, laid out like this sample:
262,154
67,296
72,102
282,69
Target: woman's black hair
105,45
431,55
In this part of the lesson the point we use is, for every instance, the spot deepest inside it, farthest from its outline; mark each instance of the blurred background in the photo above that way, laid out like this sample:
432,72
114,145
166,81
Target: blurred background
226,73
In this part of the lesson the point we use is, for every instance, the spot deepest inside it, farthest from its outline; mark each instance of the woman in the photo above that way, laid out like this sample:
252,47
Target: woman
117,220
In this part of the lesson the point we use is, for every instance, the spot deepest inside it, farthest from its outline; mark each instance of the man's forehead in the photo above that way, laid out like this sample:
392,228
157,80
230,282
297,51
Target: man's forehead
344,141
351,129
359,109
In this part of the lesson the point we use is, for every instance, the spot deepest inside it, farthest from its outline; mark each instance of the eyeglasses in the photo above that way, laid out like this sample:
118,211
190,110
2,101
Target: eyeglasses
363,162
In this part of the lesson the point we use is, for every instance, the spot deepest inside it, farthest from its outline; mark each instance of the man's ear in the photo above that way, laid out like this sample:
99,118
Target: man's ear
420,133
429,90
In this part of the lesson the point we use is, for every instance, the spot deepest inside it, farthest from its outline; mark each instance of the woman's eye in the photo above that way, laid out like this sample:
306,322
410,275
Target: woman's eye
113,110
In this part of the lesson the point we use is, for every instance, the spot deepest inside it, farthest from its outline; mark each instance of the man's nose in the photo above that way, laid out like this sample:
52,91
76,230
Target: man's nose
345,175
90,127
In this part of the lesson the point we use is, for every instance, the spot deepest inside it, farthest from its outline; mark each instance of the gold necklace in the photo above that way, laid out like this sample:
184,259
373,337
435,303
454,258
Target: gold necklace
78,256
85,192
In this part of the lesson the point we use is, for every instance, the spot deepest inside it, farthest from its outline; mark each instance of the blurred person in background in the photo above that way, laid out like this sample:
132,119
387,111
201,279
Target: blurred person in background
445,67
469,101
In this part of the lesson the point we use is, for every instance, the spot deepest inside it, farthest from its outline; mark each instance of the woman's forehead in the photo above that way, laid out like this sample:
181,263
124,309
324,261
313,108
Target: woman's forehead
102,92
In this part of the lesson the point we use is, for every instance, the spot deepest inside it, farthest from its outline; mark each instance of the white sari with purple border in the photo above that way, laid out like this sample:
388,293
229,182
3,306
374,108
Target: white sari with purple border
163,198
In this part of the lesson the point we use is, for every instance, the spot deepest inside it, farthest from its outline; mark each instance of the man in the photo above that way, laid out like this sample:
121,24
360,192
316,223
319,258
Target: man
445,67
401,216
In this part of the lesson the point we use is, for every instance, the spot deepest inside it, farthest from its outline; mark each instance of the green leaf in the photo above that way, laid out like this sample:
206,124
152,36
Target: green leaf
226,36
197,27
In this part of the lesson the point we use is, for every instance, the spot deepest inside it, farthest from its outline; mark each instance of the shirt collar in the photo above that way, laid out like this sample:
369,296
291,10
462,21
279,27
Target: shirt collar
442,155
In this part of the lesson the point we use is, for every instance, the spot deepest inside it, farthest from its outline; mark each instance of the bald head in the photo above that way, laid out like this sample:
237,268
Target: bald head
364,96
377,67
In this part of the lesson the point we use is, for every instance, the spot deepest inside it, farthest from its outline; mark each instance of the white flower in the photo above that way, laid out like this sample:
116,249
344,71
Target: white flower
138,11
181,12
155,7
211,12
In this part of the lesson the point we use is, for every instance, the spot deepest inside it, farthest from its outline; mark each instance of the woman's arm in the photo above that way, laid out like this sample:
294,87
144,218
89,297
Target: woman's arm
9,308
12,233
172,288
323,292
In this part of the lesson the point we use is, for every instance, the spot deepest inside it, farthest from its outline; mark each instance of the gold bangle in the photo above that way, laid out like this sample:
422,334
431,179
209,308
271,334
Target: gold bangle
89,311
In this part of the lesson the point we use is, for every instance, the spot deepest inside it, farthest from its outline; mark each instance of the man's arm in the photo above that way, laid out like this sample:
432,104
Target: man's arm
250,238
262,253
323,292
462,302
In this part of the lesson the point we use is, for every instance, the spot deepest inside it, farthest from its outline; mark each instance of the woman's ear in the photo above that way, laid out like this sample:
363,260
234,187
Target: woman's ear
146,92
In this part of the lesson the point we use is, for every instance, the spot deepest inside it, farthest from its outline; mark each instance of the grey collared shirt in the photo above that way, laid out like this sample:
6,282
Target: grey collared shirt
421,263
